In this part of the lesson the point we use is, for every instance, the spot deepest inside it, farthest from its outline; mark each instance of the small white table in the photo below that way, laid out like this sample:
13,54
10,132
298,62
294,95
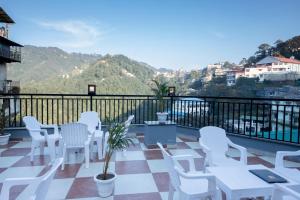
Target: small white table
237,182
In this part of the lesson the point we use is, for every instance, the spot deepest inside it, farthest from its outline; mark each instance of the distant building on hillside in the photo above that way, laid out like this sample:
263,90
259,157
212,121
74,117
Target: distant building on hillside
214,70
272,66
10,51
233,74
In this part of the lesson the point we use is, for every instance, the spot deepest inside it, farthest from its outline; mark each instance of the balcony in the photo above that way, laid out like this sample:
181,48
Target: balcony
261,125
10,87
9,51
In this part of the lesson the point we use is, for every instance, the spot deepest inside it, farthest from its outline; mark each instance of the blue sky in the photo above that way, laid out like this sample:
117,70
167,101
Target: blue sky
175,34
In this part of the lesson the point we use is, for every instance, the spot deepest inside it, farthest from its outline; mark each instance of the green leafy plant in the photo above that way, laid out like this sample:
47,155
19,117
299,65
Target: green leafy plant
2,121
117,141
160,90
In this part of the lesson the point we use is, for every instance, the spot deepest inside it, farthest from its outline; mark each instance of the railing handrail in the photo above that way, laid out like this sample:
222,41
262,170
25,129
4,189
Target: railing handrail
177,96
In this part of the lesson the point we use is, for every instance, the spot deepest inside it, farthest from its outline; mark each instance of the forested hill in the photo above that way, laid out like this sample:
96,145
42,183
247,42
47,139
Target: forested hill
40,63
51,70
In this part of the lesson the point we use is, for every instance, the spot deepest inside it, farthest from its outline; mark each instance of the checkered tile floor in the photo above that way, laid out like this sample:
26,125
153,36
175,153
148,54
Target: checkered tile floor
141,171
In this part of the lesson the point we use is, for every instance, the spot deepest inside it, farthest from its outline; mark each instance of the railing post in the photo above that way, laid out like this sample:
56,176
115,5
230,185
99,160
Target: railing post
31,105
62,109
171,108
91,102
251,107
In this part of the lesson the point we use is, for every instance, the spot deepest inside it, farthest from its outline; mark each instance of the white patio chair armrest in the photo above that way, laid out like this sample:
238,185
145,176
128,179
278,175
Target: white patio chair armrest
209,177
54,126
48,125
286,190
196,175
187,157
39,131
10,182
207,151
205,148
242,150
280,157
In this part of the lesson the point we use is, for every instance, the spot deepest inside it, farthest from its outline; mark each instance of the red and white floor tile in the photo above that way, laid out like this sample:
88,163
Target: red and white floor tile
142,174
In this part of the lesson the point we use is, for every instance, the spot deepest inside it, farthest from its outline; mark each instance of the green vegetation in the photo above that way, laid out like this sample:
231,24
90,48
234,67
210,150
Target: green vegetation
42,63
117,141
287,49
2,121
160,90
51,70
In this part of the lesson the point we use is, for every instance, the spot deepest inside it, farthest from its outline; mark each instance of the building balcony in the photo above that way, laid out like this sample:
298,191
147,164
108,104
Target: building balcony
9,51
10,87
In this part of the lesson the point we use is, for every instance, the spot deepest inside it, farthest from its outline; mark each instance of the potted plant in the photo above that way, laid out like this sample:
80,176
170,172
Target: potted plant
4,137
117,141
160,91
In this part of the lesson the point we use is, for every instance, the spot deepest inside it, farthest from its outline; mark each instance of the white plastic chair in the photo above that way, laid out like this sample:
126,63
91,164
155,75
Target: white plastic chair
128,123
282,192
91,119
191,184
37,186
215,144
74,136
35,129
290,173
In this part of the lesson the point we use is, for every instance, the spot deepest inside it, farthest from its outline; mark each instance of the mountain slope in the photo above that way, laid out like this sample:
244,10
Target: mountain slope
40,63
112,75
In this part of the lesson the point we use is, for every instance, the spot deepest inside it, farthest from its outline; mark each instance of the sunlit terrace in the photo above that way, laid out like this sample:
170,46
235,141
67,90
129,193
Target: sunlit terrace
256,129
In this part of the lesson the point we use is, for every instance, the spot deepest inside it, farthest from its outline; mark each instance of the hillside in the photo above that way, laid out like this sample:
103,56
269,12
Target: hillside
40,63
51,70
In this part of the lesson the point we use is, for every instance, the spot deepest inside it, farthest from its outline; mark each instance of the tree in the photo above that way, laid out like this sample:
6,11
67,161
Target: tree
263,51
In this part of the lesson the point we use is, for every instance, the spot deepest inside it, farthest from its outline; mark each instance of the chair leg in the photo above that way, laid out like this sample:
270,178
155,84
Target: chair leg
32,151
64,157
42,148
87,156
217,195
171,192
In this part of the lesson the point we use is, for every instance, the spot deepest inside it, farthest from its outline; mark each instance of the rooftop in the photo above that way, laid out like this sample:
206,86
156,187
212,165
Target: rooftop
274,59
4,17
142,173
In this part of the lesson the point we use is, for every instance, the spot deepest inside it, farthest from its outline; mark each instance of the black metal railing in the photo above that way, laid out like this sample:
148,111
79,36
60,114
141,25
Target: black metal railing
269,119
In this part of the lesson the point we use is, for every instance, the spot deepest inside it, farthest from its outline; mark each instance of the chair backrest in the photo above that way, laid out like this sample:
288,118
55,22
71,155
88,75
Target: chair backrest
170,163
91,119
39,190
46,179
32,124
127,123
74,134
215,139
